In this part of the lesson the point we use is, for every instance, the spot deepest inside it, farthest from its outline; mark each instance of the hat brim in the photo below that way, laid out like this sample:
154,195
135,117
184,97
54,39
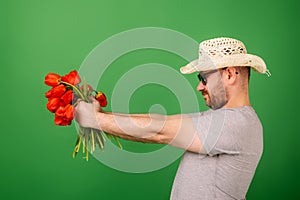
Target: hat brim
190,68
246,60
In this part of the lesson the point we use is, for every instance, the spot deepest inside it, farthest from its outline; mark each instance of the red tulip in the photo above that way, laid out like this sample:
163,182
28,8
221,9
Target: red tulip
61,121
101,98
56,91
64,115
48,94
53,104
67,97
69,112
72,78
52,79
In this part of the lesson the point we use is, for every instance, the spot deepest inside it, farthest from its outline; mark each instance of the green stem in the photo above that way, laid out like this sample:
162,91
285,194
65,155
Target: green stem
118,142
75,88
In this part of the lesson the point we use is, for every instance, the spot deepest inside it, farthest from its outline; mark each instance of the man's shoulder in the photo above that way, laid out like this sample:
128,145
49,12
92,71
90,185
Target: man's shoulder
244,110
237,117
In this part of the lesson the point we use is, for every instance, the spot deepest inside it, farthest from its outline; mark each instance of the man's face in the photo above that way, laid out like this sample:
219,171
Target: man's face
212,88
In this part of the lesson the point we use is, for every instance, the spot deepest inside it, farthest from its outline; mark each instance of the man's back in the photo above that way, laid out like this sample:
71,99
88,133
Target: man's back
233,141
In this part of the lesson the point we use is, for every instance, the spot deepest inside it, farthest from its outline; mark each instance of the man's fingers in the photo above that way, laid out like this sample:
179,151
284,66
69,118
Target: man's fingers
95,103
92,99
76,110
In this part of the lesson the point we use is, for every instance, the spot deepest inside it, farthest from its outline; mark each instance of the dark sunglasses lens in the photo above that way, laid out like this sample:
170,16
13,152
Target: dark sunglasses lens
201,78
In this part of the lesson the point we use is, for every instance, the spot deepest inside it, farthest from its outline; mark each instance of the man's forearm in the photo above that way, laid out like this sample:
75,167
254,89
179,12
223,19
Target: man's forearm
136,127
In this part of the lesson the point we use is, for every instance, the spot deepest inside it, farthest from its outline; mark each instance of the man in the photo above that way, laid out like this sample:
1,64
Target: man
223,145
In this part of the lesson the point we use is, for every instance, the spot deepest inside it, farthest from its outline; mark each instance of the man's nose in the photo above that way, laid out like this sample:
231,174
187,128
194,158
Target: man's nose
200,86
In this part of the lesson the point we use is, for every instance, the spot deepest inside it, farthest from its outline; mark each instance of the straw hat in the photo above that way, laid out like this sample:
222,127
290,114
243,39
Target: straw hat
224,52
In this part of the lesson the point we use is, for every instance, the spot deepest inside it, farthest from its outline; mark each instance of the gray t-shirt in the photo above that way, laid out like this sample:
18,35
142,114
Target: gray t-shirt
233,140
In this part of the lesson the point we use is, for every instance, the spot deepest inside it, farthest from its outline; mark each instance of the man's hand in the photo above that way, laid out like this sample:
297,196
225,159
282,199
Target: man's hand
86,114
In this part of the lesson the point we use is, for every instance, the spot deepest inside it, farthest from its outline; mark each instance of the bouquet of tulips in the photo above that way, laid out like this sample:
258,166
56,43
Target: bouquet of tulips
63,96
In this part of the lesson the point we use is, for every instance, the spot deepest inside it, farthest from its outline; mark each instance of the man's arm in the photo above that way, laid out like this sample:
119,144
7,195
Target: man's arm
176,130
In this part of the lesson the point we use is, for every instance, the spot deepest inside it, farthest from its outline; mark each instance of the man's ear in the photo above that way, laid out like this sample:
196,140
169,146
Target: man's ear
231,75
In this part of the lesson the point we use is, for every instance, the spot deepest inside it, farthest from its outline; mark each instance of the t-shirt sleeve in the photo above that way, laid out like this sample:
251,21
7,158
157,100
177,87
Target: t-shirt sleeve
216,132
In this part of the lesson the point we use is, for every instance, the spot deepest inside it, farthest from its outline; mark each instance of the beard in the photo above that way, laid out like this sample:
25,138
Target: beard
217,97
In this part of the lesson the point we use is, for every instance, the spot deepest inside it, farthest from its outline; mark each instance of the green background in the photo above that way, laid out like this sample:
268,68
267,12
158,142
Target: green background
38,37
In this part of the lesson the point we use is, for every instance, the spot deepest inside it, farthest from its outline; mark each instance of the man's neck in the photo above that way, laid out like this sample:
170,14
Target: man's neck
238,99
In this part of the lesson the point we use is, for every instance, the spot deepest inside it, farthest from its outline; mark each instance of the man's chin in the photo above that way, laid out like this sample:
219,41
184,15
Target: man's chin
208,104
217,106
212,105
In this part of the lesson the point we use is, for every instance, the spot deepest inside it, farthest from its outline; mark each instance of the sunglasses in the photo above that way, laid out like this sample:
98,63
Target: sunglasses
202,78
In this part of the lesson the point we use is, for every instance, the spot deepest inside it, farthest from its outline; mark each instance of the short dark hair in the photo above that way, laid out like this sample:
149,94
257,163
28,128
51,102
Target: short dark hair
249,72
